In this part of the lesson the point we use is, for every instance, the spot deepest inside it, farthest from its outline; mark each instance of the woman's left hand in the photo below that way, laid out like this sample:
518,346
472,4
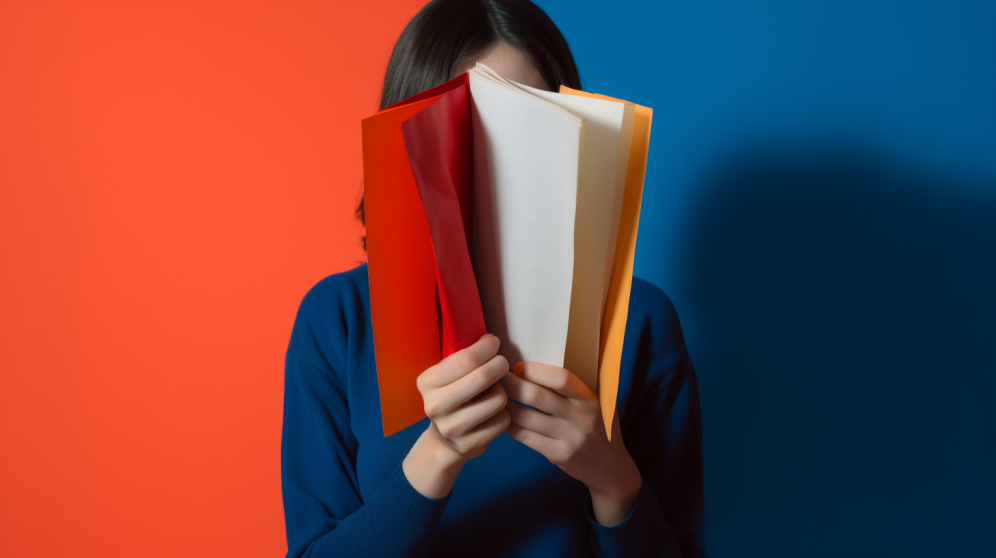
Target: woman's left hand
569,432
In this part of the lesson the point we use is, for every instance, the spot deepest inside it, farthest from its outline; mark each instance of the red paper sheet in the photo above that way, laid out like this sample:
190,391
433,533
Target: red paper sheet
400,262
438,140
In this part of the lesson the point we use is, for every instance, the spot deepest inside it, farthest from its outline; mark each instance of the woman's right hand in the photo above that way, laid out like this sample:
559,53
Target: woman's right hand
466,405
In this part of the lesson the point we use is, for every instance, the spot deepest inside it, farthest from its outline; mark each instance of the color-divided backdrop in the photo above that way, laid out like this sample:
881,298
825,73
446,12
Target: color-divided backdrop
820,205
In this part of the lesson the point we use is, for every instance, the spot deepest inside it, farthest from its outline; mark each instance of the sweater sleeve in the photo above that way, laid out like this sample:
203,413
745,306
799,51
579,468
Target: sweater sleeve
664,438
324,512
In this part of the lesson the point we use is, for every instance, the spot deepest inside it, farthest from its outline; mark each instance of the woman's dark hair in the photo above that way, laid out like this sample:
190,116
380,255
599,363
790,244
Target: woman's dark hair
444,32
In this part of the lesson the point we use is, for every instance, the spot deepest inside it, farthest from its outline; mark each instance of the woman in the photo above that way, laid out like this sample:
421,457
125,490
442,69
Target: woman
552,485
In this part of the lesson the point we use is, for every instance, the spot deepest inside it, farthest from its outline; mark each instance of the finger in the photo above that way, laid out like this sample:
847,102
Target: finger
485,432
449,397
537,396
547,447
486,375
558,379
471,414
540,423
463,362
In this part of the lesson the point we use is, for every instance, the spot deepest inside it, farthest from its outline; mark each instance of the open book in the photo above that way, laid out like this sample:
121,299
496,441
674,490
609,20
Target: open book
496,207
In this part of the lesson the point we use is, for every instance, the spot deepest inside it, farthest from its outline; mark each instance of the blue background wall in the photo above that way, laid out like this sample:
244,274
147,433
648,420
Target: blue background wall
820,205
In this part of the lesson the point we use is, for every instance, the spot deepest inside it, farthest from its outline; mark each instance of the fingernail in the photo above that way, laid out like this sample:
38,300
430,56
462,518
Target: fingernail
518,368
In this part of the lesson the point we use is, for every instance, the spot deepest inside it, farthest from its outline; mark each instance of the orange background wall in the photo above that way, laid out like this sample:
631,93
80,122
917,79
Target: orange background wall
173,178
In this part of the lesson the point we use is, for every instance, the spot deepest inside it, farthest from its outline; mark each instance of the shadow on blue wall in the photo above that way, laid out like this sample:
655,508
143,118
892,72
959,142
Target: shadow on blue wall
837,300
849,310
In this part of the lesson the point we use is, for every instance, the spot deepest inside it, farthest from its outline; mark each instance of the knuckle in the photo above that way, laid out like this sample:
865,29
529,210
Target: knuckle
464,361
588,424
563,380
528,419
502,395
588,428
592,406
535,397
515,417
445,430
481,380
431,408
569,451
498,405
559,454
491,371
559,379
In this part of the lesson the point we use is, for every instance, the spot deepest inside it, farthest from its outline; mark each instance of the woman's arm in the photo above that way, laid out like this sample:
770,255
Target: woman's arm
664,439
644,502
323,510
663,434
645,487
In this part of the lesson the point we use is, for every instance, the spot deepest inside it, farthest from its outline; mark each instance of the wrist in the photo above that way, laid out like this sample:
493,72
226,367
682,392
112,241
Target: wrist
431,466
446,459
613,501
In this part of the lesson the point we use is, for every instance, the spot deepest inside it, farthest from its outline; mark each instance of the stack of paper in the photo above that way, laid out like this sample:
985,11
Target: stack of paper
496,207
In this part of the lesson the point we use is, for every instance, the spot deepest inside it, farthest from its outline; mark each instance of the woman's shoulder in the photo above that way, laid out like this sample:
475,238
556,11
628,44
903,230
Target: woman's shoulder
654,334
649,303
328,312
349,283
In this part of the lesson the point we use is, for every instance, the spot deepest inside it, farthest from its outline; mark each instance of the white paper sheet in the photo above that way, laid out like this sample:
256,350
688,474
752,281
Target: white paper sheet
526,156
604,157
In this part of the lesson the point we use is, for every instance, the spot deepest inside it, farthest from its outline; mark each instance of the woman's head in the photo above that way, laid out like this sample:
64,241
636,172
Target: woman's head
446,37
439,42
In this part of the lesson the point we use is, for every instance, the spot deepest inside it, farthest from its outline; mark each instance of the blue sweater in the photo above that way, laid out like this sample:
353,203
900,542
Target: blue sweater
345,493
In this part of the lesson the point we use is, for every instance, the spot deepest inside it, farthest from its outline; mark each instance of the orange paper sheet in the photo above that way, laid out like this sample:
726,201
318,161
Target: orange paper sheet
613,326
